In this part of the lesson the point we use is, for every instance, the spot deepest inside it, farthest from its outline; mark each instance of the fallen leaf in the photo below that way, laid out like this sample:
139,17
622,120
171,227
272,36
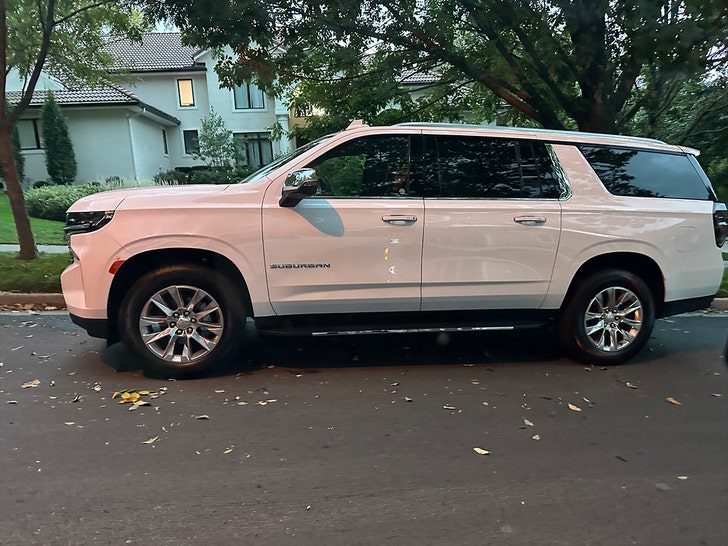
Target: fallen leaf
485,403
151,440
129,397
219,391
69,423
133,407
11,402
203,417
30,384
535,437
228,450
716,394
407,399
572,407
447,407
673,401
682,478
527,423
481,451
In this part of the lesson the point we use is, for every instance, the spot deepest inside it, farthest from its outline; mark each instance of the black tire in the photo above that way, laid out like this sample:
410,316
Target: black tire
182,320
607,319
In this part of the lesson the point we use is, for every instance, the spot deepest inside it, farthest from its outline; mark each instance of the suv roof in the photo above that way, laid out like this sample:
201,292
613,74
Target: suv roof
555,136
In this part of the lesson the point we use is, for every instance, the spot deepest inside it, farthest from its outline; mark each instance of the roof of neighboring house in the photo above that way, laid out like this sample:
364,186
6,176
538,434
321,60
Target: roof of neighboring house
93,96
157,52
411,77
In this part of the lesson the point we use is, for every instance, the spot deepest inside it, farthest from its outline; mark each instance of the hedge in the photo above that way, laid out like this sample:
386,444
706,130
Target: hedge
51,202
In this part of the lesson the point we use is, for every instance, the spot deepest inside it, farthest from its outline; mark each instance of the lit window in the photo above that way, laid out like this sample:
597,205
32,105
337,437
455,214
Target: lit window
185,93
248,97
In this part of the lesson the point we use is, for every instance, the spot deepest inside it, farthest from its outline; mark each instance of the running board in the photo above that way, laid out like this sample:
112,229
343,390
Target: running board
324,328
427,330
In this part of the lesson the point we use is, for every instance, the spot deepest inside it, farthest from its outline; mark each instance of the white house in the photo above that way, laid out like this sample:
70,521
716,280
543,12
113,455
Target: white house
151,125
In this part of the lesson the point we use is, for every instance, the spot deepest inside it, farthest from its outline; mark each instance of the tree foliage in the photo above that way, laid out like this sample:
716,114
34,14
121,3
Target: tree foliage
64,38
59,155
215,141
555,63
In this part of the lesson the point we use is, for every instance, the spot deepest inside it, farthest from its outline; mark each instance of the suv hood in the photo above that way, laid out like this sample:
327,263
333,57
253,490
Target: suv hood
111,200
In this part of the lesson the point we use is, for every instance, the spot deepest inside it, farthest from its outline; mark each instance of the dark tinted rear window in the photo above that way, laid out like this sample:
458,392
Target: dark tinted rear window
488,168
642,173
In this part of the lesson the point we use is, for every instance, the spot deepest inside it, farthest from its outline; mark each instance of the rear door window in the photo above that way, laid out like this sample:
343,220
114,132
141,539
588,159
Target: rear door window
646,173
488,168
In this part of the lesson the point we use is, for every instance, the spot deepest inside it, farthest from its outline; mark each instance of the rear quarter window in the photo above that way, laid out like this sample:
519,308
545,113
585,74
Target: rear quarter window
645,173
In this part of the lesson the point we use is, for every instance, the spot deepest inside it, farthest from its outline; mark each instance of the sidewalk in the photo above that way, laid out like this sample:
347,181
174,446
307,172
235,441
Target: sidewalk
49,249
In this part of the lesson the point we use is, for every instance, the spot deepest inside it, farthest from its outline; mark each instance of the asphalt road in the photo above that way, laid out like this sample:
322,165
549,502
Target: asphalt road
367,440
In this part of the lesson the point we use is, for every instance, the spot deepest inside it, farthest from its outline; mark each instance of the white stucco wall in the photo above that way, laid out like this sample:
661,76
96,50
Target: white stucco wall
113,141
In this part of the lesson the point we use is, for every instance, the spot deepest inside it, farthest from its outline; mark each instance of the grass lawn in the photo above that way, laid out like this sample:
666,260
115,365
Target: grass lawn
41,275
46,232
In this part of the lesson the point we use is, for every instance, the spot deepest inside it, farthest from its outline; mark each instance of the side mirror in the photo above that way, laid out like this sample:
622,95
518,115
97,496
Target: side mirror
298,185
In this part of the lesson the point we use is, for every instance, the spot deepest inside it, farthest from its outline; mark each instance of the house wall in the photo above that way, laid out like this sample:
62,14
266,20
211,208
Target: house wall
147,147
111,141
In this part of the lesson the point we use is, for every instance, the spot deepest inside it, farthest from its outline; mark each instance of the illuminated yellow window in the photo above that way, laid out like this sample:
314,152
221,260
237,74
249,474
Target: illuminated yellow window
185,93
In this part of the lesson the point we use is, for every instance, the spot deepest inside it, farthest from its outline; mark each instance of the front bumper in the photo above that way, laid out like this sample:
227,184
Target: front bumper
94,327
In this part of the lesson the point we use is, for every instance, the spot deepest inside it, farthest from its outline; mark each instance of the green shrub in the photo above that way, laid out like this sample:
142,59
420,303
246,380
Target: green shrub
60,157
170,178
51,202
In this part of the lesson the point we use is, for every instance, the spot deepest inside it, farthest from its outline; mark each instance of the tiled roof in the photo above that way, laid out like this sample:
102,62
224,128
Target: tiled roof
93,96
158,51
87,95
415,78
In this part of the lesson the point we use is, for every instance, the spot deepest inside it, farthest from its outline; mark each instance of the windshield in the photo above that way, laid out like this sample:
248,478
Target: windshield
270,167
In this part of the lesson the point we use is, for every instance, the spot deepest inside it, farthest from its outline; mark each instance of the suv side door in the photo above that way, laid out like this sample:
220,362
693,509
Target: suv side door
493,222
355,246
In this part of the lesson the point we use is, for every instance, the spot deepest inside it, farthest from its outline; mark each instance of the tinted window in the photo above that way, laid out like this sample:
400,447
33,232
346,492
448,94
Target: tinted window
639,173
374,166
478,167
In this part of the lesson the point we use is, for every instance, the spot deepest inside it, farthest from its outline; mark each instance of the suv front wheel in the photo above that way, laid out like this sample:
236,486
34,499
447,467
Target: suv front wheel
182,320
607,319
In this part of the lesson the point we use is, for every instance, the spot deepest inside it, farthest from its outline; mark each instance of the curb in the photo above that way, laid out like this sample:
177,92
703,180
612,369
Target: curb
17,298
56,300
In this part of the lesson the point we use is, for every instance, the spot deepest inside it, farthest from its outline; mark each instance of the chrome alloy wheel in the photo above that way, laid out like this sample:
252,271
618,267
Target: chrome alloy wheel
181,324
613,319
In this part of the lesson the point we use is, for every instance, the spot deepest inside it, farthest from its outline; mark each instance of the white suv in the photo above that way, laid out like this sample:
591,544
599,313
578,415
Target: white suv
414,227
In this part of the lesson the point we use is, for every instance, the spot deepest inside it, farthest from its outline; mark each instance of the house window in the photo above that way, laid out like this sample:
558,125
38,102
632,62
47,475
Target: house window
255,149
185,93
29,134
164,142
248,97
192,146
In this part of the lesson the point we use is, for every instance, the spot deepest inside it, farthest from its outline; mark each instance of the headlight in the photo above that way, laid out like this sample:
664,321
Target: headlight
86,222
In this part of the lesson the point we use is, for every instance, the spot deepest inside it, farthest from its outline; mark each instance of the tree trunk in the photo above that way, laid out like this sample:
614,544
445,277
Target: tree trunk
28,250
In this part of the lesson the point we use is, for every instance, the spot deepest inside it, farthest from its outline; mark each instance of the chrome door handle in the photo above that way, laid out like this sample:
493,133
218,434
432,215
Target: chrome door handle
530,220
399,219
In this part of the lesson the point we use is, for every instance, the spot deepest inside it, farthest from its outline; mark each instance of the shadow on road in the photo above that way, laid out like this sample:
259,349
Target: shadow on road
308,354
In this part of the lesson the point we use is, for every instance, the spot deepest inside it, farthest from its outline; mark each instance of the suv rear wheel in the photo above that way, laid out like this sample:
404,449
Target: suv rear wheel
607,319
182,320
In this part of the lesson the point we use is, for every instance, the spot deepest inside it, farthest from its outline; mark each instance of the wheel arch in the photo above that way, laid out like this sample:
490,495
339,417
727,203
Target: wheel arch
144,262
638,264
